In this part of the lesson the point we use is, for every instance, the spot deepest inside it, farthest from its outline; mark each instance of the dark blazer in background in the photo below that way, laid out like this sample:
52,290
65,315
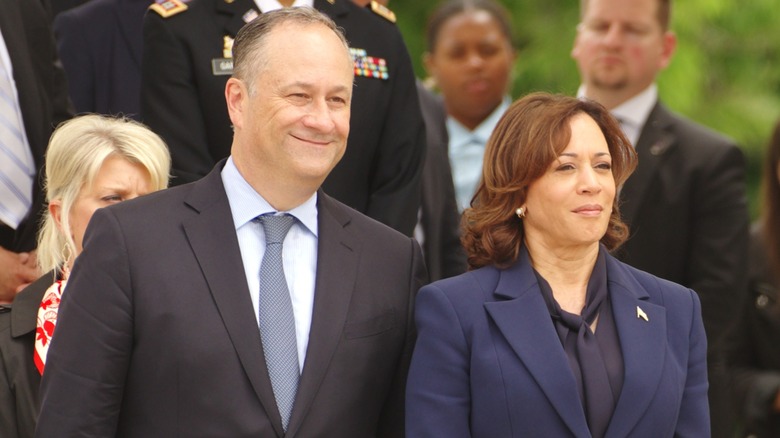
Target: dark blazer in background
752,353
440,219
42,89
100,45
489,363
158,336
58,6
184,101
686,207
19,378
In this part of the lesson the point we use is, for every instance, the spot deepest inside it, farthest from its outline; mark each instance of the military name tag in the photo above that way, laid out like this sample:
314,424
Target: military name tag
222,66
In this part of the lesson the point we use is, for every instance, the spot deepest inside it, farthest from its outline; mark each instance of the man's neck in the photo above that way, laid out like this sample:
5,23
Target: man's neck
609,99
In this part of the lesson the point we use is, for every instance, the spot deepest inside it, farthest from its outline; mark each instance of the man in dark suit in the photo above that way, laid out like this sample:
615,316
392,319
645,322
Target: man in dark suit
686,203
187,62
29,58
162,330
100,45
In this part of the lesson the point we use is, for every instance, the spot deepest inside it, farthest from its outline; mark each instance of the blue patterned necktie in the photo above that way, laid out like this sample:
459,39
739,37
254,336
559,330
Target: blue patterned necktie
17,169
277,321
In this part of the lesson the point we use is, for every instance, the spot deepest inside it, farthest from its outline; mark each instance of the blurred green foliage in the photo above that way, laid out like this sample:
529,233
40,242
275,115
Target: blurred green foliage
725,73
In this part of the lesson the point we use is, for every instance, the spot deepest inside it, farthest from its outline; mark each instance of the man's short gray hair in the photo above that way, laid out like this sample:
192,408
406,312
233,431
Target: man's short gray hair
250,46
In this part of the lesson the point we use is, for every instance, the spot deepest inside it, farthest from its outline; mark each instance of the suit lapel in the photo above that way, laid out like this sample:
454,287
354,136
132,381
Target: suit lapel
338,255
654,143
24,317
523,319
643,345
212,236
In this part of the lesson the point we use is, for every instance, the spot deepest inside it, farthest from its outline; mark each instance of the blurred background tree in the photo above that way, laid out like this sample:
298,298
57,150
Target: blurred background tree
725,73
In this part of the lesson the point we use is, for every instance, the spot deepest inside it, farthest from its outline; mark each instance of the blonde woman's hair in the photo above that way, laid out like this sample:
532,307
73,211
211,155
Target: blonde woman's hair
76,151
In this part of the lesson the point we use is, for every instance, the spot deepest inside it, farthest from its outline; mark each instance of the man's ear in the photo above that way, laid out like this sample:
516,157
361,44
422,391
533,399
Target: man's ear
236,94
669,46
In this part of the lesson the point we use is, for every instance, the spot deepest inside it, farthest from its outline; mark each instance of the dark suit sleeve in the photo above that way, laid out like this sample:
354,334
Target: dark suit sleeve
719,246
74,52
754,384
62,107
82,386
453,254
440,220
750,348
169,100
391,421
437,393
18,387
395,187
694,419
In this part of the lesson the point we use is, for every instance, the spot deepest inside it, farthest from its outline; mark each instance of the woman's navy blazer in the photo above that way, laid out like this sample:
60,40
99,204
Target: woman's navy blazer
488,361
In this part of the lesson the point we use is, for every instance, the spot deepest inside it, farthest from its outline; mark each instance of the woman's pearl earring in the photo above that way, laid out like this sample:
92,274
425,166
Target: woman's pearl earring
520,212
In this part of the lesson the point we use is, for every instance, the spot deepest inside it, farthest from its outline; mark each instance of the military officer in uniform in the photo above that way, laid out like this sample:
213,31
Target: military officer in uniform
186,64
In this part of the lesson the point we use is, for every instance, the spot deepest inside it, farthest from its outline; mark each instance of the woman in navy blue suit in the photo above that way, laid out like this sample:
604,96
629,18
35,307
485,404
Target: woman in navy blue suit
548,334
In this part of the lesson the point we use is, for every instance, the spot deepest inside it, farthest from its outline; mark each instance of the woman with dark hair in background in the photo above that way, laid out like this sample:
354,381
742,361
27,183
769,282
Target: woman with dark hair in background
469,56
753,344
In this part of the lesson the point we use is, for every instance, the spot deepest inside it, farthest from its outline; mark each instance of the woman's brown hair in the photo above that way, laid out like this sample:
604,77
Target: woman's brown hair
530,136
770,191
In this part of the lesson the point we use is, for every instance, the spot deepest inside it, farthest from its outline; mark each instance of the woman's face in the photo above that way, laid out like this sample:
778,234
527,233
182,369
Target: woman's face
117,180
471,63
570,205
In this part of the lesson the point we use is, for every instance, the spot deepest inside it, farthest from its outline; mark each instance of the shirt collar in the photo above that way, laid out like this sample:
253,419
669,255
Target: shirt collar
272,5
246,204
460,135
634,111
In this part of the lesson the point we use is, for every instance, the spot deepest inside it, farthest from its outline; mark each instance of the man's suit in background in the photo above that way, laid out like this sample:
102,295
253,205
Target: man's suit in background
58,6
686,208
440,220
100,44
169,289
182,99
43,96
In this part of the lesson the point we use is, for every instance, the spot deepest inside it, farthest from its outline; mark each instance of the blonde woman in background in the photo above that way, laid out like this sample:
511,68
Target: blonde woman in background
92,161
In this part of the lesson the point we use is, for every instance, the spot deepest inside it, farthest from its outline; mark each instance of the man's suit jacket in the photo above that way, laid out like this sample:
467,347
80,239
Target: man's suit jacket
58,6
489,362
686,207
440,220
157,335
42,89
184,101
100,44
19,378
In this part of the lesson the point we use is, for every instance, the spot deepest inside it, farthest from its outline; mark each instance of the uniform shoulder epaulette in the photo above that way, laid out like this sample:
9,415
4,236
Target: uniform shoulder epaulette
383,11
168,8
